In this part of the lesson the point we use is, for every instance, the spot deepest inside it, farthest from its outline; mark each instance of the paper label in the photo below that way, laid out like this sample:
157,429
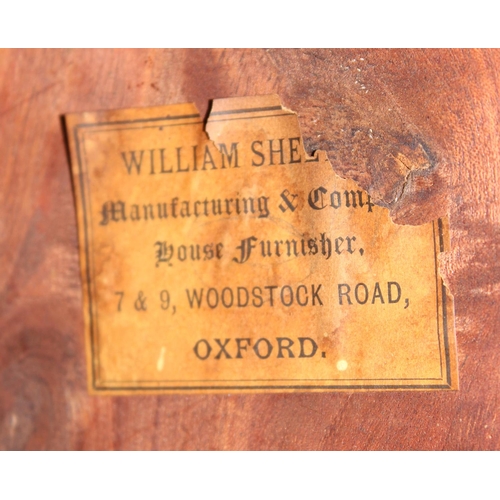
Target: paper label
240,263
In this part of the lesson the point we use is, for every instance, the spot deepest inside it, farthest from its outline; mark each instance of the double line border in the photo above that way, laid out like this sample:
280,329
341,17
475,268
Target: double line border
83,185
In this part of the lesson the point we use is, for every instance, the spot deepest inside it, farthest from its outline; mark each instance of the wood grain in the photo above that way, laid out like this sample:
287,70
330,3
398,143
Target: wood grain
438,108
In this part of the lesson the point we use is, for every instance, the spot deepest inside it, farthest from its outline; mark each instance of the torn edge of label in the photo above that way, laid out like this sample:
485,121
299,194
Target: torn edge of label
410,160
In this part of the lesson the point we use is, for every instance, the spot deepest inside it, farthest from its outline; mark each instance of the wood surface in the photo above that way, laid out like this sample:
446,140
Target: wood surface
439,109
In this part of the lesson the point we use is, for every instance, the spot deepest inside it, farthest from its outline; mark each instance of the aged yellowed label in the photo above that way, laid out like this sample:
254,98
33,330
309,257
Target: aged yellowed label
240,263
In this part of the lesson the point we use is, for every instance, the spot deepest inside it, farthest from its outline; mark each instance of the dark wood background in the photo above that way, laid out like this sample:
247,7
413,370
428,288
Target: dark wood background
444,102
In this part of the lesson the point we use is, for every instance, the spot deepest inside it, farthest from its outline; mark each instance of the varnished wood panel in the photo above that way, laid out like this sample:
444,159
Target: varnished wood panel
445,100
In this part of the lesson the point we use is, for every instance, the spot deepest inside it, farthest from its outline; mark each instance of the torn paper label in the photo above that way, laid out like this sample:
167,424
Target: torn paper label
234,261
